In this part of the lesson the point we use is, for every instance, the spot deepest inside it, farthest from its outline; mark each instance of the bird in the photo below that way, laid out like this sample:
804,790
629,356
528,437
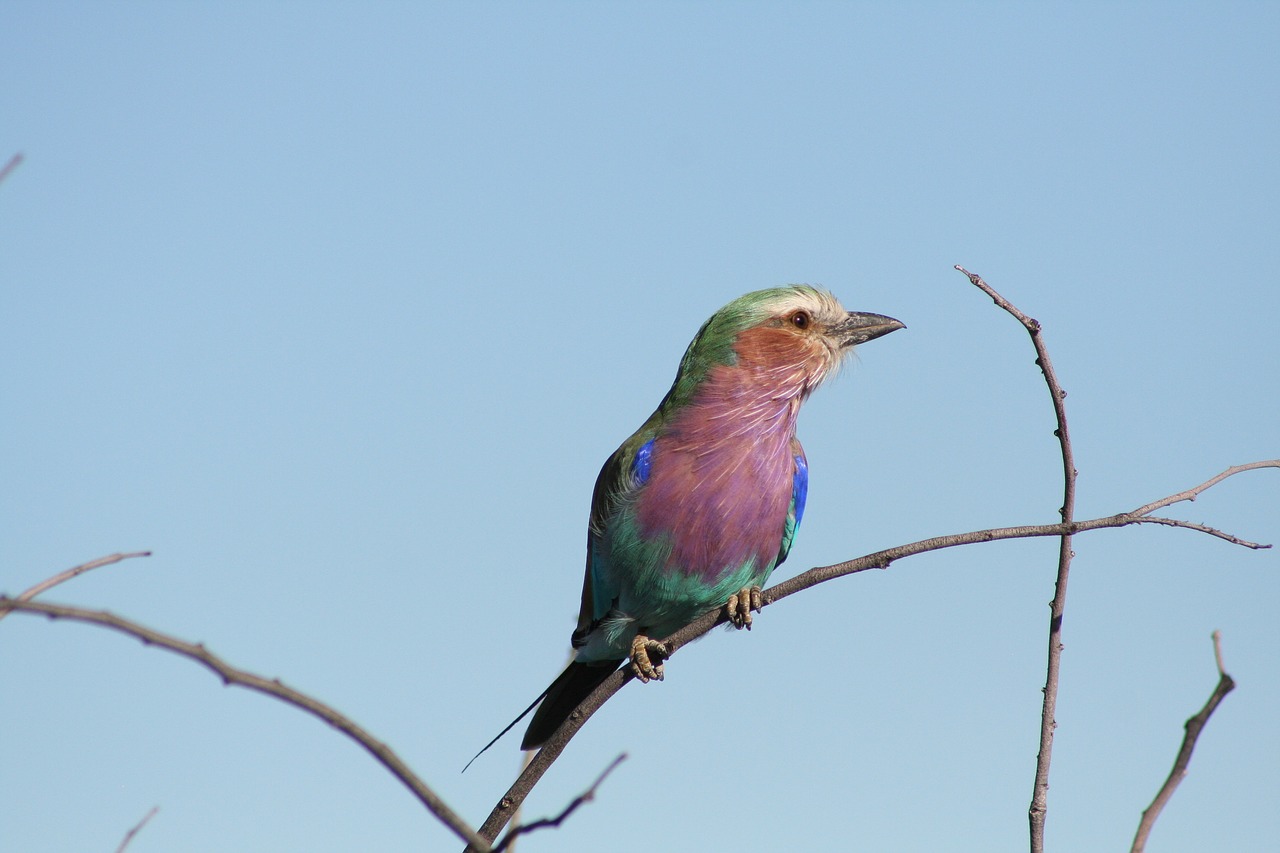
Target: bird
701,503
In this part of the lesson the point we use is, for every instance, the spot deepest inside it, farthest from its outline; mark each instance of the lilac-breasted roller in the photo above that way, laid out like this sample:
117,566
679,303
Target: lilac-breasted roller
701,503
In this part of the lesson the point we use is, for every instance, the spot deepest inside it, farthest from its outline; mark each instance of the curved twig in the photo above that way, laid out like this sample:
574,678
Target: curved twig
271,687
1195,491
14,162
586,796
1194,725
137,827
1040,790
1202,528
75,571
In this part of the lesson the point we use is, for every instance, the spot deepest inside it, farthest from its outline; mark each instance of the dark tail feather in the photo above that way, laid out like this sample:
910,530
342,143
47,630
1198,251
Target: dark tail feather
558,701
511,725
565,693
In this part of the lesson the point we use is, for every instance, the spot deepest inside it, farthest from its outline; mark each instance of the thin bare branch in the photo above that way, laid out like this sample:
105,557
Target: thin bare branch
1193,727
526,758
14,162
546,756
1216,636
1203,528
508,842
882,559
511,801
1040,790
1195,491
271,687
137,827
76,571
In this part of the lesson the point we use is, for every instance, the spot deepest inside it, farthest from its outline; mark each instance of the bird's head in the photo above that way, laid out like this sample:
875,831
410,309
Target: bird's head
789,338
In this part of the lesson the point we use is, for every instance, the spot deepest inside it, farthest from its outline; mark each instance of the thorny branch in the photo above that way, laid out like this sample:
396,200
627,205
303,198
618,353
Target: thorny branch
1194,726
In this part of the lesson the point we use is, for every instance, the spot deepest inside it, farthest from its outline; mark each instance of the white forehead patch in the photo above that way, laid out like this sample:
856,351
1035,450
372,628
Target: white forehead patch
823,307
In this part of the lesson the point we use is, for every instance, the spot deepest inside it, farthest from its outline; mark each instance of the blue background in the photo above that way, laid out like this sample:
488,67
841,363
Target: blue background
339,308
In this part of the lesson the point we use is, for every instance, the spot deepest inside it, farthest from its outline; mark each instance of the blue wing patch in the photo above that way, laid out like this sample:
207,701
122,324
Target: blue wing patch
800,488
640,465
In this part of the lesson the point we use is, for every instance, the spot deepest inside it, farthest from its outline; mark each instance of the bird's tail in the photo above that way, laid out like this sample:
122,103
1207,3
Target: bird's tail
565,693
558,701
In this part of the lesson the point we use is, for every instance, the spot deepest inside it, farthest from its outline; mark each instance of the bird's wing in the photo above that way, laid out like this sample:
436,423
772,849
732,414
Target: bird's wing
622,474
799,490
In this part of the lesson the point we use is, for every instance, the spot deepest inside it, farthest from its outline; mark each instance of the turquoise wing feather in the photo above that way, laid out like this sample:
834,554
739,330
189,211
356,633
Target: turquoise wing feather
622,474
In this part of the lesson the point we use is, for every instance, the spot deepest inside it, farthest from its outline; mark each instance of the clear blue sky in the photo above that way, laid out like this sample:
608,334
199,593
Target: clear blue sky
339,308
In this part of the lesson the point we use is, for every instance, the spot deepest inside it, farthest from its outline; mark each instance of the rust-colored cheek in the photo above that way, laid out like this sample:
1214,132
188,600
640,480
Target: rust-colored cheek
774,347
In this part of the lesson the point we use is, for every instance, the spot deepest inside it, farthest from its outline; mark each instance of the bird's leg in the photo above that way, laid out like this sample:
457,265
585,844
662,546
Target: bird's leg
647,656
741,604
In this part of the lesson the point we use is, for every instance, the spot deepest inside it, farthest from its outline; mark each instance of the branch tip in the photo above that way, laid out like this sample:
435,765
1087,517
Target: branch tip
1193,727
1217,653
137,827
548,822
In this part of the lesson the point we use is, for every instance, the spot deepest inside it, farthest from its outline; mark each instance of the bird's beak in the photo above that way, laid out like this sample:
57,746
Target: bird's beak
858,328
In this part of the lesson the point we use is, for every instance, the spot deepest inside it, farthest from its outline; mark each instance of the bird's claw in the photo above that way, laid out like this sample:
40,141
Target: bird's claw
741,604
646,658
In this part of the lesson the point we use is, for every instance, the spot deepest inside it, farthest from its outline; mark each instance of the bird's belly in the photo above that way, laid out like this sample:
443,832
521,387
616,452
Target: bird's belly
707,523
663,602
656,586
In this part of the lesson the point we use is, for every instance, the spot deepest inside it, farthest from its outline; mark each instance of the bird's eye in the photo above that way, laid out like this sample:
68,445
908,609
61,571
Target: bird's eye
800,319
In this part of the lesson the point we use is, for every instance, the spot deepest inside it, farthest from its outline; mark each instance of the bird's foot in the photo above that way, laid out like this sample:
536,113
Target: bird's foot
741,604
646,658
